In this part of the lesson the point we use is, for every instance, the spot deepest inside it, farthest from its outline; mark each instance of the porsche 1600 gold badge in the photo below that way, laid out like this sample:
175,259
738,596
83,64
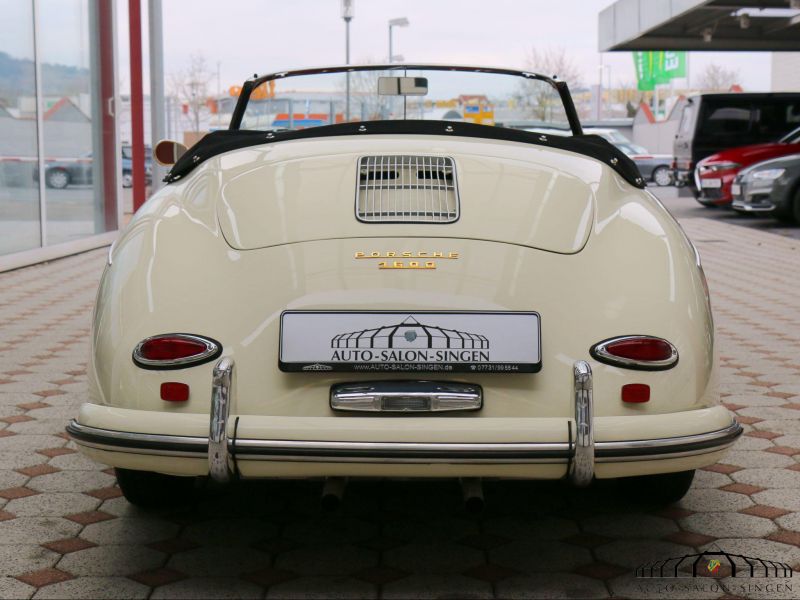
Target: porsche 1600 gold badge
407,260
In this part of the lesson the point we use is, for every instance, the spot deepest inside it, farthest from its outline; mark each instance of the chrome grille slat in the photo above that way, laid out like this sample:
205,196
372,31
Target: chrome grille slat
403,188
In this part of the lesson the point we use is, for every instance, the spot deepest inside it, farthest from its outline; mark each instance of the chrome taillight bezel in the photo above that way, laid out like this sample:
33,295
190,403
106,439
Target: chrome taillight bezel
600,353
212,351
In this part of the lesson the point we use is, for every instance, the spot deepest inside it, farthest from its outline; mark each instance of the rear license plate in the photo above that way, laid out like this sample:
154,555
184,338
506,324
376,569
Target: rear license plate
400,341
711,183
736,189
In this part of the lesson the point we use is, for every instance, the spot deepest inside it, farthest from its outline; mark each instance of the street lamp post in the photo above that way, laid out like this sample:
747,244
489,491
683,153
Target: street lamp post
399,22
348,12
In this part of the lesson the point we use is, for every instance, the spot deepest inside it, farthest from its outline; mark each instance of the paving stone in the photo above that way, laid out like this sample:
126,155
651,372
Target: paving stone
315,559
769,478
781,426
55,505
71,481
766,549
14,589
76,462
551,585
714,501
19,460
419,529
323,587
111,588
437,586
539,528
786,498
36,530
208,587
628,586
11,479
752,459
218,561
532,556
68,545
790,521
229,532
728,524
24,558
111,561
710,480
792,440
329,530
632,553
769,412
629,526
129,531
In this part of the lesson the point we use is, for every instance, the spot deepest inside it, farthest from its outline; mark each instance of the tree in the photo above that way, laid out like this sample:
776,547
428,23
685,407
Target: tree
717,78
539,99
190,85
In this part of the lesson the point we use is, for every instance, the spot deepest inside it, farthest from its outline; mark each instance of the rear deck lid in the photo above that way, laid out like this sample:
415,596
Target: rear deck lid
545,204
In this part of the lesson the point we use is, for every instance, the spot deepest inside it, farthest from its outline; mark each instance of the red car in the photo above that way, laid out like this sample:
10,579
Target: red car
715,174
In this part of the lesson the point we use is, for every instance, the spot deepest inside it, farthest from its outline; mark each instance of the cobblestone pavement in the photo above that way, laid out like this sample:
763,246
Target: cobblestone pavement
66,532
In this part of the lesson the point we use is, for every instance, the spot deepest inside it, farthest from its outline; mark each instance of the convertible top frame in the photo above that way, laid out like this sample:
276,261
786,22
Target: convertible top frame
255,81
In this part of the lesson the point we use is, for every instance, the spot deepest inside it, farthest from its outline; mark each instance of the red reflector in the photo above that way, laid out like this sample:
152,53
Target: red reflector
635,392
170,348
646,349
172,391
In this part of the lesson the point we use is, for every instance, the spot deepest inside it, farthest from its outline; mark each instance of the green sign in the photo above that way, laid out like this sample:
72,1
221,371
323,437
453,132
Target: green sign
654,68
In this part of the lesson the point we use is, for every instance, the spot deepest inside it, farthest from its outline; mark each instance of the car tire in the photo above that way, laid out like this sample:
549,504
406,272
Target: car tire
662,176
57,179
127,180
796,206
154,490
659,490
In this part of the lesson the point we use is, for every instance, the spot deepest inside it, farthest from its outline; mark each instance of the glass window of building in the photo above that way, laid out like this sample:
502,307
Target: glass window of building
19,188
58,150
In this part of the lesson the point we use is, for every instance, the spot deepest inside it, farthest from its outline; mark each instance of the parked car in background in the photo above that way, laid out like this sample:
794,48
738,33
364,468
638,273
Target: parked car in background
711,123
403,298
715,174
770,187
62,172
653,167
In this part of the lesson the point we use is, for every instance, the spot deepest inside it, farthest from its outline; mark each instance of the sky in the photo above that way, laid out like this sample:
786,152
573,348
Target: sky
242,37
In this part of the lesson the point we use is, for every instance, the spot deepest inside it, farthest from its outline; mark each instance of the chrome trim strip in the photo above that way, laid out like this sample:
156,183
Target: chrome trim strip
714,439
212,350
599,351
388,396
139,443
581,470
218,450
322,451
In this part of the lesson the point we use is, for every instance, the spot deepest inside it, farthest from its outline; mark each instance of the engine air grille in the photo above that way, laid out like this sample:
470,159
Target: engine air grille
407,189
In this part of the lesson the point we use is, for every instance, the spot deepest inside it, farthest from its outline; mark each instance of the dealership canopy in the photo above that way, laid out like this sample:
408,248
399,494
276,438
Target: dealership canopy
770,25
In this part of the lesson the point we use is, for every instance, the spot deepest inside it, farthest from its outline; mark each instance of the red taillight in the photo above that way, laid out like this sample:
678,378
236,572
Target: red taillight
173,391
169,348
635,393
636,352
175,351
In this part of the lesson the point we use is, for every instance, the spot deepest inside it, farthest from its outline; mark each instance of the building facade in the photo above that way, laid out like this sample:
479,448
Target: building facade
59,148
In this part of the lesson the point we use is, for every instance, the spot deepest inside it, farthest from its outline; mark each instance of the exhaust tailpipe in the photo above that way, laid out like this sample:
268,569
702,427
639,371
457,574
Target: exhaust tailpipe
332,493
472,488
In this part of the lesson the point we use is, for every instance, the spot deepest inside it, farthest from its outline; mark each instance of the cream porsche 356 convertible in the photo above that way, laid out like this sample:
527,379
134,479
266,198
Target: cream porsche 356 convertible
368,275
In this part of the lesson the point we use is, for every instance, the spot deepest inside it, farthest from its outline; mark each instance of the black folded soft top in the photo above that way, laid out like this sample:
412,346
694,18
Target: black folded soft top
226,140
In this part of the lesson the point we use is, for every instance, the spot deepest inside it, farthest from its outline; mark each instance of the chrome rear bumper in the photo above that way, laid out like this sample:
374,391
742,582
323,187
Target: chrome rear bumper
580,453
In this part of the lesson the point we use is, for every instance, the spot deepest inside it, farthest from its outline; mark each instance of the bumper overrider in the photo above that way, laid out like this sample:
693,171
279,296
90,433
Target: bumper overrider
581,453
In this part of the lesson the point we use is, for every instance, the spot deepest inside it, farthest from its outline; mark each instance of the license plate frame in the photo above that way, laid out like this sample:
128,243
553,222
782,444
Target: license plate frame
710,183
444,341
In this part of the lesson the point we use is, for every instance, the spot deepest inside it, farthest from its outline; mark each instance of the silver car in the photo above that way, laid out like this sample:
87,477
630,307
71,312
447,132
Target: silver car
653,167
